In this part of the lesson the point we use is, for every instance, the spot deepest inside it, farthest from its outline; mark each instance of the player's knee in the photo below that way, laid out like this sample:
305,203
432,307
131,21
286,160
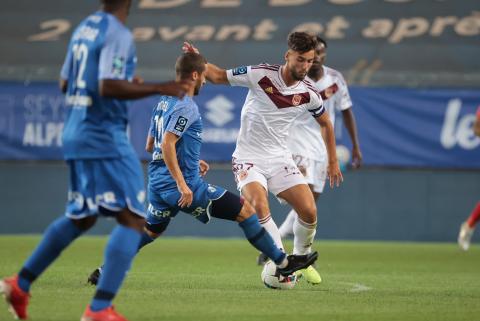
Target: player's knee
308,214
227,207
246,212
131,220
85,223
155,231
260,205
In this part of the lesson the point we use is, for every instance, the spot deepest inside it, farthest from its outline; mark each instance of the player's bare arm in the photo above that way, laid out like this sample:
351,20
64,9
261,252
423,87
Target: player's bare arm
351,125
149,144
124,89
204,167
169,152
333,170
214,74
63,83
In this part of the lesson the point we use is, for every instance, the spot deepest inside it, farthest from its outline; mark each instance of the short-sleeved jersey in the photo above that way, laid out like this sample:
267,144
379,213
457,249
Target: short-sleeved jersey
270,109
101,47
182,118
305,137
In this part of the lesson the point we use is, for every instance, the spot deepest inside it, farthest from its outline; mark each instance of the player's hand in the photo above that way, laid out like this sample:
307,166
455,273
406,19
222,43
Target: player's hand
188,47
204,167
138,80
334,174
356,158
186,197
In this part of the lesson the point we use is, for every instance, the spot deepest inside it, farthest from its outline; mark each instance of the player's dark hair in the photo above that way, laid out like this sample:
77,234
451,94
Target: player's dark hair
301,42
188,63
321,40
113,4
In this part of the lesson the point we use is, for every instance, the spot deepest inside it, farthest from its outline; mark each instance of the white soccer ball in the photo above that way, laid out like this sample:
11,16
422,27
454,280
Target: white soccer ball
343,156
274,280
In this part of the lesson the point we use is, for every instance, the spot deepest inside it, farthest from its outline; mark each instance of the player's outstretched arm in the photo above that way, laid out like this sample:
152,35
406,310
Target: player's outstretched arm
169,152
333,170
214,73
351,125
124,89
149,144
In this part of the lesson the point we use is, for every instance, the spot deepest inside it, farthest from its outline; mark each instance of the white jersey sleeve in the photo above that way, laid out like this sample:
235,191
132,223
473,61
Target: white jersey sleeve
315,106
240,76
345,100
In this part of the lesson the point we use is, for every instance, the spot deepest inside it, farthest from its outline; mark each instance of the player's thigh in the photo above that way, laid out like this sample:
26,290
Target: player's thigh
105,186
159,213
300,197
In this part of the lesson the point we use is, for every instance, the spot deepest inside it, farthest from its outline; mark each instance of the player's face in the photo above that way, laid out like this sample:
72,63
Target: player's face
199,82
299,63
320,54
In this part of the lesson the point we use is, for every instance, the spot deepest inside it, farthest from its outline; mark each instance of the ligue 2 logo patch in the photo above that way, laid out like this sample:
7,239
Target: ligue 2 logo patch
181,124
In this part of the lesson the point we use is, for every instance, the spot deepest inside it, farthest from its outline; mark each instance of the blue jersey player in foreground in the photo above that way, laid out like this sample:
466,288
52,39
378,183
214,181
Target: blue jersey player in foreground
106,177
175,182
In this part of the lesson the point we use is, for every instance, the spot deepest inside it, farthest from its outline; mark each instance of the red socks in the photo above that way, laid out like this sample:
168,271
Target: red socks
475,216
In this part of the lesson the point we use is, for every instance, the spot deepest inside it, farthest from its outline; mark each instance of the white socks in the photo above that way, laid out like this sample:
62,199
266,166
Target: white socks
286,229
272,229
304,235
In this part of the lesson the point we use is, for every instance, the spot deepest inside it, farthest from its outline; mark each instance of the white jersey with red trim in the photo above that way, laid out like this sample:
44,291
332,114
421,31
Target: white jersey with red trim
270,109
305,137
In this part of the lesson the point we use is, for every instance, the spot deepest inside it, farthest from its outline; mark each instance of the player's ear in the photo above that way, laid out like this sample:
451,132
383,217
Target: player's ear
287,53
195,75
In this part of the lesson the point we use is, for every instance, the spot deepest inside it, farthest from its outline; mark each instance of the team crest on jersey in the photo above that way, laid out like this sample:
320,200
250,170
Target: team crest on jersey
242,175
239,71
296,100
118,65
269,90
181,124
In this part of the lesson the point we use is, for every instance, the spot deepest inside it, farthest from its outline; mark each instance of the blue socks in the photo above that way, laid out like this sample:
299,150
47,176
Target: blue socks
119,253
146,239
261,240
59,234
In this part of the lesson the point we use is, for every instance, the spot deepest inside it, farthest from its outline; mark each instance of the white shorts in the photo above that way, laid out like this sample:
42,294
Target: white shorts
315,171
275,176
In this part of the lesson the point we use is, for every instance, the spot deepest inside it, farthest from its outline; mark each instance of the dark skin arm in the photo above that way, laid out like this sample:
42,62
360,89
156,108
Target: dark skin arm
351,125
124,89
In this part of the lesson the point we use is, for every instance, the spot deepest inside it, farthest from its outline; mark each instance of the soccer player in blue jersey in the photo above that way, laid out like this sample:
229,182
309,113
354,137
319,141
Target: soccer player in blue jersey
175,183
106,177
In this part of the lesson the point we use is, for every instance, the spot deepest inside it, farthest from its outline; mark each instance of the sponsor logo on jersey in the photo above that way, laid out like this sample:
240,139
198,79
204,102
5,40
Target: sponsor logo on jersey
181,124
239,71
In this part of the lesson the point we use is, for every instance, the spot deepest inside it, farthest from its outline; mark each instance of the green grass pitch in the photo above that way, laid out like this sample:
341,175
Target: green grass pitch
180,279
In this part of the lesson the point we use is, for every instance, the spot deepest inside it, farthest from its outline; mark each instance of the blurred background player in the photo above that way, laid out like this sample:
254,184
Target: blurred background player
174,176
106,177
468,227
308,148
262,162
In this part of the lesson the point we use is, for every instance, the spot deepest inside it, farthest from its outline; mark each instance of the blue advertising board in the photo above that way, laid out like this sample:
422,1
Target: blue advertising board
397,127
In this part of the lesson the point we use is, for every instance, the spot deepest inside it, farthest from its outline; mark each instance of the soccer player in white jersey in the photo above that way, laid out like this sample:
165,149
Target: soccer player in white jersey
308,148
262,162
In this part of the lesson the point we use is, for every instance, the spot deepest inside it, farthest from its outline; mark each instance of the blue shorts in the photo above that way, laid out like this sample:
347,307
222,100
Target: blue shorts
105,186
163,205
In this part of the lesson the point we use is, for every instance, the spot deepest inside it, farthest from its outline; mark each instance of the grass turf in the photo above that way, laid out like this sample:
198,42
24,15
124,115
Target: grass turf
180,279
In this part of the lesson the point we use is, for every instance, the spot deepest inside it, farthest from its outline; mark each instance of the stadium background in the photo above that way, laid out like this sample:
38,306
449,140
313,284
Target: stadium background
414,75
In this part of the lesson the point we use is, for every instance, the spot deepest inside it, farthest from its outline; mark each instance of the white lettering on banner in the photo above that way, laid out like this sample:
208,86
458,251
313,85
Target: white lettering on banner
43,134
43,108
161,4
458,131
219,110
220,135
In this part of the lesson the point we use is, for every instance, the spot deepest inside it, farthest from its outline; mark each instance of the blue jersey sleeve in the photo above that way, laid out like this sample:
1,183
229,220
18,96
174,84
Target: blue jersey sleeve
181,118
116,55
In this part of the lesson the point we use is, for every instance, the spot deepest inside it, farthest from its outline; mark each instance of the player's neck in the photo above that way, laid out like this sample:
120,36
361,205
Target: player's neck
287,77
120,14
316,73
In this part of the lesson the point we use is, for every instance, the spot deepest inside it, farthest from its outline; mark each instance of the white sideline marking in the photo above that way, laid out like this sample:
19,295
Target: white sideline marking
357,287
